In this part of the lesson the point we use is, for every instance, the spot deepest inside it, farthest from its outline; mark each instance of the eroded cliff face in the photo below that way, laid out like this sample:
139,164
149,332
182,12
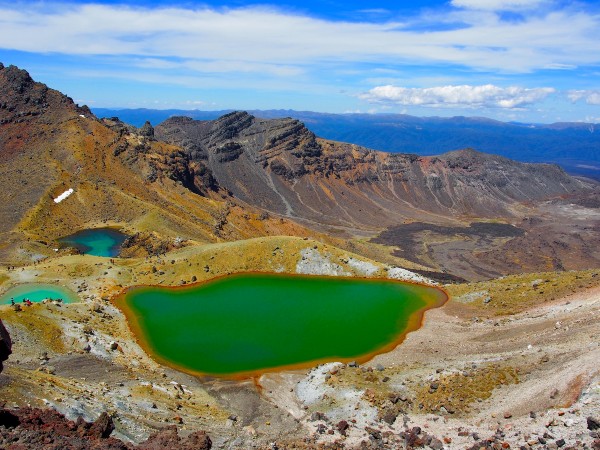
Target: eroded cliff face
281,166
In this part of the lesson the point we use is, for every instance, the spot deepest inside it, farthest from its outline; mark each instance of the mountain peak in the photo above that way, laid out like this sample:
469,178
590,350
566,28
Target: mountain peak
21,97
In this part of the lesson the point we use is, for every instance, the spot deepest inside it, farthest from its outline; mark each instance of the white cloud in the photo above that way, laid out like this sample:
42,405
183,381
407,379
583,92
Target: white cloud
497,5
558,66
458,96
284,44
591,97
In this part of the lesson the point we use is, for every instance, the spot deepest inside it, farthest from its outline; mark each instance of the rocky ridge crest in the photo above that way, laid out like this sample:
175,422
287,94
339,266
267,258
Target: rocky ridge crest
281,166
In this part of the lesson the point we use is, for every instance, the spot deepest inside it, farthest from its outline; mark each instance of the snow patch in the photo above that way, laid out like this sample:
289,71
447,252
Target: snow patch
63,196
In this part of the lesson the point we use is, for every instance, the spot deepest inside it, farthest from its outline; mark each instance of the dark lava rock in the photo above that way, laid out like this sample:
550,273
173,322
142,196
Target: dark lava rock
390,416
8,419
593,423
46,428
33,428
167,438
373,433
102,427
342,426
5,344
412,438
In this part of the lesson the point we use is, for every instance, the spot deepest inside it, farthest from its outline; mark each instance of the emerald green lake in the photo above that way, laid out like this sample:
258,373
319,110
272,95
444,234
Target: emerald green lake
97,241
251,323
36,292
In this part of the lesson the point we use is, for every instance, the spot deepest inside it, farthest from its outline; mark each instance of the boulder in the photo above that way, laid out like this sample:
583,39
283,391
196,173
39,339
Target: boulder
102,427
5,344
342,426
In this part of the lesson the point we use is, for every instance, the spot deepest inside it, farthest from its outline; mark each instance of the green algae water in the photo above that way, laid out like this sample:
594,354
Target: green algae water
98,241
36,292
251,323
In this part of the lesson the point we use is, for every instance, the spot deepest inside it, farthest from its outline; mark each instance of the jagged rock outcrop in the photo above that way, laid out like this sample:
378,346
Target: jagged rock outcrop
5,345
148,244
28,98
225,149
281,166
147,130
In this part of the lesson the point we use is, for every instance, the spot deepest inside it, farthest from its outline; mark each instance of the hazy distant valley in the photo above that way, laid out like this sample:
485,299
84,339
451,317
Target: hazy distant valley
510,360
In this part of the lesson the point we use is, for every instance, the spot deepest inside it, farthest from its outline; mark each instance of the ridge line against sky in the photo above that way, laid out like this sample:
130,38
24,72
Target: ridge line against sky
527,60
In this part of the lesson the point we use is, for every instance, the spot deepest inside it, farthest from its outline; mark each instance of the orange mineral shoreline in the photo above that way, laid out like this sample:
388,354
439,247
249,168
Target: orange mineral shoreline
415,321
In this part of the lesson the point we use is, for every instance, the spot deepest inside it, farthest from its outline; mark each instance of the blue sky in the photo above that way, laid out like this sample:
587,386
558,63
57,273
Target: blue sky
525,60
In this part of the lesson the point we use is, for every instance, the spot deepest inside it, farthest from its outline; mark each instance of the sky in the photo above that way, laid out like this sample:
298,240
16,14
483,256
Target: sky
512,60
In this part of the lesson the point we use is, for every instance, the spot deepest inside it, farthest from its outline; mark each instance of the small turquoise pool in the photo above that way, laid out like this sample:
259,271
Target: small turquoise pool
36,292
97,241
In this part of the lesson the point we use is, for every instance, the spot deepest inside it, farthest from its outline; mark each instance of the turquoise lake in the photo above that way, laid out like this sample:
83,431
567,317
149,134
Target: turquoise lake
36,292
98,241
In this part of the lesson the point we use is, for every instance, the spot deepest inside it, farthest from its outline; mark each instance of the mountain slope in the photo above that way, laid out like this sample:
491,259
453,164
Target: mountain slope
216,180
575,146
281,166
119,176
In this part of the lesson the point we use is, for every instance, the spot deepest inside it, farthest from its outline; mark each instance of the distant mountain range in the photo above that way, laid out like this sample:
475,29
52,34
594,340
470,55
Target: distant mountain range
575,146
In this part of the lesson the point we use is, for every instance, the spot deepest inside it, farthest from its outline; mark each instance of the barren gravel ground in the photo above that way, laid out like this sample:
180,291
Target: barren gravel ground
467,373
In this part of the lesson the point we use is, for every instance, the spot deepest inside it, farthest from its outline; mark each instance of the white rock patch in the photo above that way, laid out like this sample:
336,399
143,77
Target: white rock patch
398,273
314,392
313,263
363,267
311,389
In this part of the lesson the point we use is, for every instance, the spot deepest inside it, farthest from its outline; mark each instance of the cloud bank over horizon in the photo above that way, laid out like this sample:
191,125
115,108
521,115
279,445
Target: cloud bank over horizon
488,95
463,54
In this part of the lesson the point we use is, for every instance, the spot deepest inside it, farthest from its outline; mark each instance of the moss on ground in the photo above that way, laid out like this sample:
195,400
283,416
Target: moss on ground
456,392
35,320
513,294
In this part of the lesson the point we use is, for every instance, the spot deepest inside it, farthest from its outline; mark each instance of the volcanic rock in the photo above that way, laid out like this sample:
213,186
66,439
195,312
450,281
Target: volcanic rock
281,166
167,438
5,344
39,428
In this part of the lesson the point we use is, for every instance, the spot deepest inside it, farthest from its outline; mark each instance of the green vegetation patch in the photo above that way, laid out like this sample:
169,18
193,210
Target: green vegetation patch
454,393
516,293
